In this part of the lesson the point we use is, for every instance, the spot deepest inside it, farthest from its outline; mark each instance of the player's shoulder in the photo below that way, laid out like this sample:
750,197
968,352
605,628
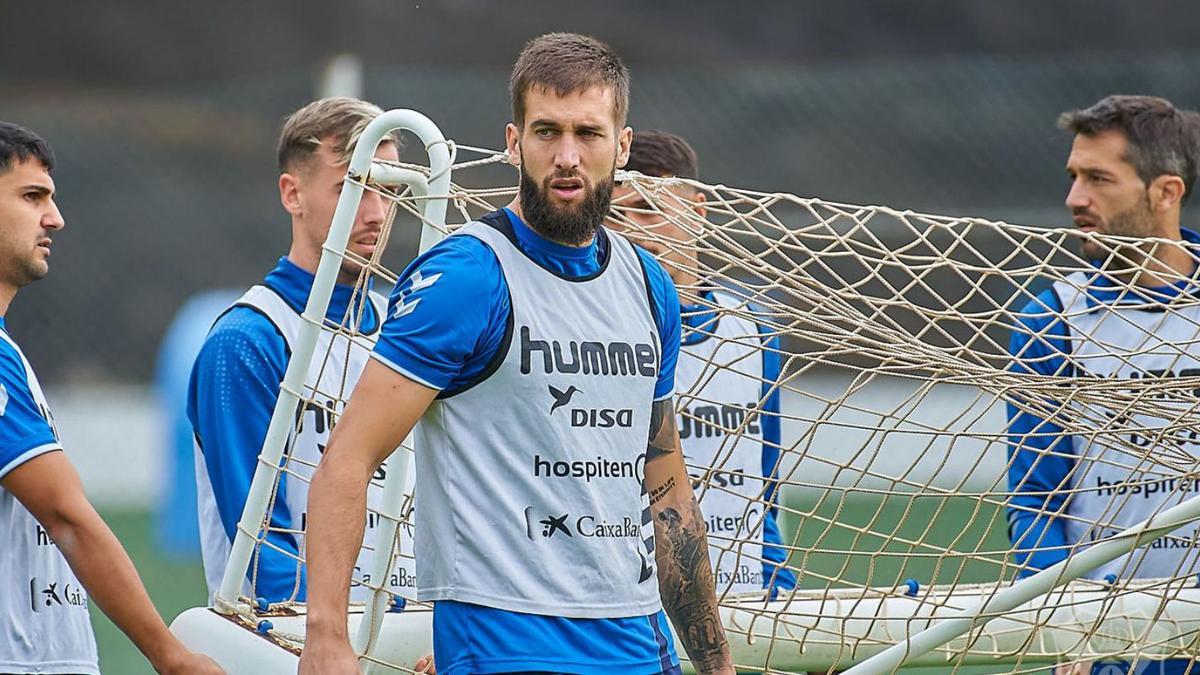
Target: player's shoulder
657,278
746,308
1041,308
243,321
13,368
462,257
244,333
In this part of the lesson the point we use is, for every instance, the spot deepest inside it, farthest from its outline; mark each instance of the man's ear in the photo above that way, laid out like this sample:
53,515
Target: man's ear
289,194
1166,192
624,140
512,138
699,199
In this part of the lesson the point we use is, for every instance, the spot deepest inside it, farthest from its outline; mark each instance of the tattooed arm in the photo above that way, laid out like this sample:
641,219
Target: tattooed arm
685,577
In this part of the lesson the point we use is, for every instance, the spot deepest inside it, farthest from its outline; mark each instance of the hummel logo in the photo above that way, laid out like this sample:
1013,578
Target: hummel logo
647,568
416,282
550,525
420,281
561,398
405,308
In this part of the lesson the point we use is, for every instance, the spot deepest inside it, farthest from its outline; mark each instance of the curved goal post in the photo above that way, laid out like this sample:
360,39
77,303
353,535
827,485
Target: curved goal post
896,478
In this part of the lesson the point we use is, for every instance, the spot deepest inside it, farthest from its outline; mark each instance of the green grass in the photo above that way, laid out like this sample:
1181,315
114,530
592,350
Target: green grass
960,523
904,538
888,555
174,586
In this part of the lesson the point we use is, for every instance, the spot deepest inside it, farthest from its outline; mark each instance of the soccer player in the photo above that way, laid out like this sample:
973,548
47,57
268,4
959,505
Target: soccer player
57,555
235,380
555,518
716,400
1132,167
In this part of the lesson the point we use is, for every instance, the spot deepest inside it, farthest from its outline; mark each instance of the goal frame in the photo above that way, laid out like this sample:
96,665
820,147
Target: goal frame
362,169
920,624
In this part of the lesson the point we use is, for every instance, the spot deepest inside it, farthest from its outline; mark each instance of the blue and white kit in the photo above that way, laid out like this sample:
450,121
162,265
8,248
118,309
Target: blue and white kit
532,521
231,396
44,623
728,367
1071,489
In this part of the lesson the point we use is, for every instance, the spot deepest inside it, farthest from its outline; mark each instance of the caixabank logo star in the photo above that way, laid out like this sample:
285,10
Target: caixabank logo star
53,594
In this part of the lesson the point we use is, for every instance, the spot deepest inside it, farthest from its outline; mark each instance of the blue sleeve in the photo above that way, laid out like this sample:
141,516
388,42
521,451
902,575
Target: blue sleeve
666,317
231,396
775,573
1039,450
451,306
24,431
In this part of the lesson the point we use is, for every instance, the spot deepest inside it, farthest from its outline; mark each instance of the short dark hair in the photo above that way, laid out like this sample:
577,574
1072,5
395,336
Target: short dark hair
662,154
568,63
1162,139
18,144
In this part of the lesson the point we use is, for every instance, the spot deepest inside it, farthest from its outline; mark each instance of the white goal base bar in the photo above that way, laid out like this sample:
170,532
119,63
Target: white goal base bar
810,630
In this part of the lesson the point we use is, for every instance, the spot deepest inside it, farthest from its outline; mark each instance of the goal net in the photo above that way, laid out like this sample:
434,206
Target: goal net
895,479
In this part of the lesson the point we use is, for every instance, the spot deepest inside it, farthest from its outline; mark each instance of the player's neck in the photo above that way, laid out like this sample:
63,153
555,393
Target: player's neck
1152,265
303,258
1167,264
308,261
7,293
515,207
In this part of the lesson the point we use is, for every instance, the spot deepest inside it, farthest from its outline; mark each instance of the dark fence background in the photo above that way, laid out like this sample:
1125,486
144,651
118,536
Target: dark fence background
164,118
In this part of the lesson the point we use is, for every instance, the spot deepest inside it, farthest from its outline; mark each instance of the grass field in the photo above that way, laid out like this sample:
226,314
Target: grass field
958,522
174,586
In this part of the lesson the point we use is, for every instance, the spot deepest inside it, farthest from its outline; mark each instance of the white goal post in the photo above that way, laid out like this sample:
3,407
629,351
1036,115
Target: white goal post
893,448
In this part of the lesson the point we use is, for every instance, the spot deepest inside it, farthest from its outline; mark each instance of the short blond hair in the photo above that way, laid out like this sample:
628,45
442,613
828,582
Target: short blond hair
337,120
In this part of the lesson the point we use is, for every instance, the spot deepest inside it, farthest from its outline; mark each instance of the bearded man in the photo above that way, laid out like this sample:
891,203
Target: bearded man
1132,317
555,520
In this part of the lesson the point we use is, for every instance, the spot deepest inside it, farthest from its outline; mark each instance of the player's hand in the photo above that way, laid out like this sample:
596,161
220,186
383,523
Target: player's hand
191,663
328,657
425,665
1078,668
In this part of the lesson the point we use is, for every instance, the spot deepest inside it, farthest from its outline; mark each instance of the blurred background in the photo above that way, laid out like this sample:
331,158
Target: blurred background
164,118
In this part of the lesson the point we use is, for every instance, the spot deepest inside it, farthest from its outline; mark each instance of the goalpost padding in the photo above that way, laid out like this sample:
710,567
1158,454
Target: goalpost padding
807,632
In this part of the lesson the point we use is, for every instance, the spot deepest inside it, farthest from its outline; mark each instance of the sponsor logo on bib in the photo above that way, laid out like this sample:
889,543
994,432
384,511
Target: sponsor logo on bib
588,357
55,594
567,525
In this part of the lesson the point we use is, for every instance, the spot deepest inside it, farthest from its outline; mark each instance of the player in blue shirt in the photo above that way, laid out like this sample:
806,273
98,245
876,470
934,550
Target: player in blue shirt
537,350
1132,166
715,399
57,554
235,380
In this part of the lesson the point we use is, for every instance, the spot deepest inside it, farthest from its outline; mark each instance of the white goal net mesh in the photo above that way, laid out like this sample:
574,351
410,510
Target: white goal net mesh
895,480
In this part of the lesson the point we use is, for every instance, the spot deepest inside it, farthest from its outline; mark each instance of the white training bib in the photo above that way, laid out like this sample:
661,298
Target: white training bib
335,369
1116,487
720,381
532,493
44,623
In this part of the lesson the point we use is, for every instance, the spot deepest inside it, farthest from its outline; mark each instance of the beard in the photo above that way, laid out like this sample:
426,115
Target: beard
1132,222
27,269
564,223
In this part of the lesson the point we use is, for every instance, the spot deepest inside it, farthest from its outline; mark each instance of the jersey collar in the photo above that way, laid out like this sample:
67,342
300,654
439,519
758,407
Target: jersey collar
1103,290
293,284
699,319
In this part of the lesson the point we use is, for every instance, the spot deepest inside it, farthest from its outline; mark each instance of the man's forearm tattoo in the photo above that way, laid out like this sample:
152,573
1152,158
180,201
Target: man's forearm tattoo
662,430
661,491
685,582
